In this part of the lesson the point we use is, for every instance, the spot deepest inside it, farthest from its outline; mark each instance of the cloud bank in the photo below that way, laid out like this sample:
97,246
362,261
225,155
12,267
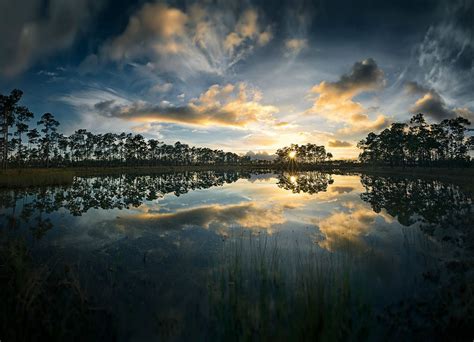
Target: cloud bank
229,105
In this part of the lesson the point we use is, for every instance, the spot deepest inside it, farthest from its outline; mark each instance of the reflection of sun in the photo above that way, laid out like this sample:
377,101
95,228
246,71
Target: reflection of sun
292,154
293,179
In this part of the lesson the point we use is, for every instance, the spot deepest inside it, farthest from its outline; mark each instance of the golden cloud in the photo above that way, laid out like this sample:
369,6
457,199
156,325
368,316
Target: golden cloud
339,143
249,215
229,105
363,126
198,38
150,22
260,140
343,230
295,45
335,102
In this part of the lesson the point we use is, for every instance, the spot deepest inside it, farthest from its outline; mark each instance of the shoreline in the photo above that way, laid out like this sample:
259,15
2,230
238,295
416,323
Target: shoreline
26,177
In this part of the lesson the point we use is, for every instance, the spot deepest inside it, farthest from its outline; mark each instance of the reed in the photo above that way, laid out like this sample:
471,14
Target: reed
264,290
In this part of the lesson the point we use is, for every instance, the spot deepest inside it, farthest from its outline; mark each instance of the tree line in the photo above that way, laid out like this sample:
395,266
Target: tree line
418,143
44,146
309,154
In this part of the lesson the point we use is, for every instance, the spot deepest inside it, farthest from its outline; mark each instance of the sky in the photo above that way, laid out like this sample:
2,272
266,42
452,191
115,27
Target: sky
240,75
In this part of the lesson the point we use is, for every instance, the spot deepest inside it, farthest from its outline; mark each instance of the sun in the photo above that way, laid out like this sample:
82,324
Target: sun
292,154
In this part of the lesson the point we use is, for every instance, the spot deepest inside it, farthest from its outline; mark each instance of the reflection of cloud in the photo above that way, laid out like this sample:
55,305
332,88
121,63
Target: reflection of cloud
344,230
217,217
229,105
341,189
335,99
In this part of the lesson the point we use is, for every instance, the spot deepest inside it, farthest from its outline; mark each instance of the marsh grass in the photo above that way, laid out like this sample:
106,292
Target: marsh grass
23,178
42,301
265,288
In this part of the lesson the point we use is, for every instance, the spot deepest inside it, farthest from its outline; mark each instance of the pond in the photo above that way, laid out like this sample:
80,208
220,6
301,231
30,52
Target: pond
238,256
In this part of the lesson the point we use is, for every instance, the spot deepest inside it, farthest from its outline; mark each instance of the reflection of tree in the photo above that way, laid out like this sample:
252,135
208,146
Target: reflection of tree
308,182
111,192
416,200
444,212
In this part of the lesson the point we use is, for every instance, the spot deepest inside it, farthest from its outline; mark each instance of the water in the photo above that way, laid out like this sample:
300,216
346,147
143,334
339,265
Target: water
214,255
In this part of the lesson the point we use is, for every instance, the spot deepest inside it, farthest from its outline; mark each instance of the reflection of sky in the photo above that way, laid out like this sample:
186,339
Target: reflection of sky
336,220
170,240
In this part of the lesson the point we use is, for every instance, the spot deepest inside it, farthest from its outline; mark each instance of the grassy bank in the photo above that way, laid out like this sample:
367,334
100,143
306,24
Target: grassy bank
22,178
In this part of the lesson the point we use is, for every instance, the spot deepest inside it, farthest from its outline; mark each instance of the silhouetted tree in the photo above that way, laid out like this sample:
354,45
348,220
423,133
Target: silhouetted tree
50,135
10,114
305,154
418,143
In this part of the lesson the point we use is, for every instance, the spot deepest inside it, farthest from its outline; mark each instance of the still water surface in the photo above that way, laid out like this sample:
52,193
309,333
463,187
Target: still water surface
211,255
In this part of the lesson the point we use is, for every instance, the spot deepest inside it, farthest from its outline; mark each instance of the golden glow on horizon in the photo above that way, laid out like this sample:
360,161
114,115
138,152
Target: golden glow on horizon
292,154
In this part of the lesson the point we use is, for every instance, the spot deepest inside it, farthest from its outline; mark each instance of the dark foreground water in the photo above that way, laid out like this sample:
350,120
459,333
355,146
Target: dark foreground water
238,256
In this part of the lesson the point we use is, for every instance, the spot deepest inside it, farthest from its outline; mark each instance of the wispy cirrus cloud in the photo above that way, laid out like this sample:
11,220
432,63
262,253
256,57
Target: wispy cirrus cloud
294,46
198,38
446,55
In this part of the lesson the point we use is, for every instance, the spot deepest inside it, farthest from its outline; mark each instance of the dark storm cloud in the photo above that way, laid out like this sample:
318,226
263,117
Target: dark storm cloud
365,75
433,105
30,30
186,114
